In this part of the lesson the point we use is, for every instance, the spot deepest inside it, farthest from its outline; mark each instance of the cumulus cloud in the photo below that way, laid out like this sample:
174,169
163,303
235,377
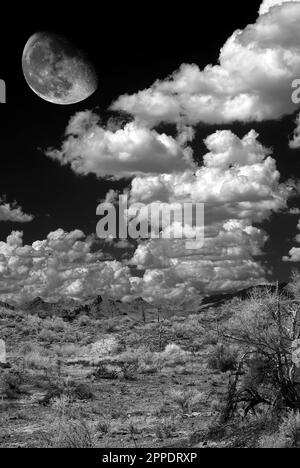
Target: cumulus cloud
13,213
90,148
59,266
225,262
238,182
238,179
240,186
252,81
294,253
62,266
268,4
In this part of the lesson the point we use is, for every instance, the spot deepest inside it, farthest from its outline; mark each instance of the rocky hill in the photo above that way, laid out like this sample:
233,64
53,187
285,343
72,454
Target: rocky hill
102,307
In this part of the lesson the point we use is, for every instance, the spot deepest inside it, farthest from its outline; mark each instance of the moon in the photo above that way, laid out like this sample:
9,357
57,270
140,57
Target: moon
56,70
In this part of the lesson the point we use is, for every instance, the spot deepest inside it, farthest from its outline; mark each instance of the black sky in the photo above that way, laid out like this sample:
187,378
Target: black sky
131,46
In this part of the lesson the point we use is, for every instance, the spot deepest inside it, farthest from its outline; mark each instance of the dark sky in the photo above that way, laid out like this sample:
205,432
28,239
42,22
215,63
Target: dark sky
131,46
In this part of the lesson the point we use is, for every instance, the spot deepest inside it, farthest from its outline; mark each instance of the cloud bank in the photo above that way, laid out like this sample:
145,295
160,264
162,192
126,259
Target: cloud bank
238,181
268,4
58,267
90,148
252,81
13,213
240,186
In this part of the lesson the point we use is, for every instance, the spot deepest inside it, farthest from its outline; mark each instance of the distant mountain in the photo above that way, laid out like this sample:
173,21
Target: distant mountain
64,309
219,299
5,305
101,307
95,307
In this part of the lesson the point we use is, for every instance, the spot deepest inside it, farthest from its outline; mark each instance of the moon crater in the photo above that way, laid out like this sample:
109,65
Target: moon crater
56,70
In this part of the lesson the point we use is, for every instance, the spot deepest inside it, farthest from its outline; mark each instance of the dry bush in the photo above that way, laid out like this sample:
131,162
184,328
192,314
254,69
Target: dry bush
165,429
67,350
37,360
69,429
264,329
187,400
109,325
107,346
287,436
106,371
188,329
84,320
48,336
10,383
224,358
66,388
210,338
173,355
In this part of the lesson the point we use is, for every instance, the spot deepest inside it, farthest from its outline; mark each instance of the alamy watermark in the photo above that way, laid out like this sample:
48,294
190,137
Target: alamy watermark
2,92
155,221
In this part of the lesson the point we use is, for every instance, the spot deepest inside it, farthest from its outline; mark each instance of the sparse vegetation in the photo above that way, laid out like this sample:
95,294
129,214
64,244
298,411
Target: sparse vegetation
226,377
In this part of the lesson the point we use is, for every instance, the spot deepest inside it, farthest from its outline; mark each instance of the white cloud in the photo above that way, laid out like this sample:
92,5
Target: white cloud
13,213
268,4
240,186
58,267
252,81
230,186
90,148
294,253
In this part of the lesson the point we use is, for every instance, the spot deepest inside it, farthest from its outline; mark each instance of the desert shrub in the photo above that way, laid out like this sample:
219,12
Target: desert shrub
196,345
106,371
187,400
67,350
10,383
210,338
55,324
215,405
103,427
104,347
78,391
64,390
223,358
196,401
188,329
32,325
37,359
128,362
70,433
7,313
150,362
129,370
177,318
147,368
84,320
134,361
109,325
165,429
48,336
173,355
264,328
287,436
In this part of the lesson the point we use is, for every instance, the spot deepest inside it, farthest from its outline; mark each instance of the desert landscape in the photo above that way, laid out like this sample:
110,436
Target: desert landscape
150,228
109,374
